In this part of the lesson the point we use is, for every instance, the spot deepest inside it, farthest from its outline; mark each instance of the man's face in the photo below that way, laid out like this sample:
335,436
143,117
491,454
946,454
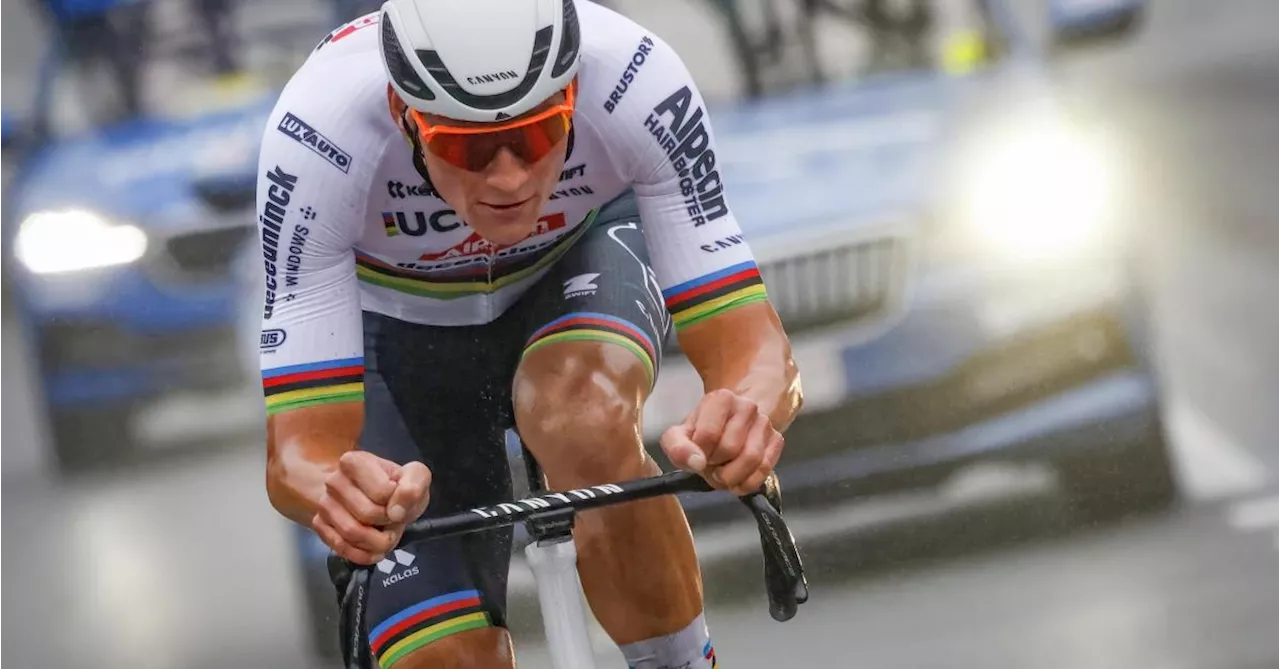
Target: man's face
503,201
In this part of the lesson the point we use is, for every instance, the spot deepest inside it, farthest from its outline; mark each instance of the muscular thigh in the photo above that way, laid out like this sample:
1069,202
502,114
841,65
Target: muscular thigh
596,327
602,291
440,395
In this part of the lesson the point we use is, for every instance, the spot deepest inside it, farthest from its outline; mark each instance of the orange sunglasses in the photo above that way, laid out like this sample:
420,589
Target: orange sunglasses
473,147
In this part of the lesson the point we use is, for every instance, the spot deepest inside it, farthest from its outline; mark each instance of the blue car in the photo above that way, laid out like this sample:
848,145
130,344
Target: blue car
130,241
944,247
943,244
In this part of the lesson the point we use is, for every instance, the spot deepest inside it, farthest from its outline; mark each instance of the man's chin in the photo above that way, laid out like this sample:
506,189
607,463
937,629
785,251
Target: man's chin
504,233
505,227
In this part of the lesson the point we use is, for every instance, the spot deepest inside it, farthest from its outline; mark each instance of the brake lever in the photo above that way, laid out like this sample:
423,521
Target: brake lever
352,583
784,575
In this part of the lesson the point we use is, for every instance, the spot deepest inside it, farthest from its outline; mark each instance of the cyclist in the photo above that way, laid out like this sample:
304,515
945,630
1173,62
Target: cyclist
450,199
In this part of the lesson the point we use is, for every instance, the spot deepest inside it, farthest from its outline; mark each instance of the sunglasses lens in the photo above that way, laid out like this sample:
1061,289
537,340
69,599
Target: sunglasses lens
474,151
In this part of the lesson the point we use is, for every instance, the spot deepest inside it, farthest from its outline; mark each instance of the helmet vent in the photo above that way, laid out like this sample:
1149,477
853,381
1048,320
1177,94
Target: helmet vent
568,42
398,66
538,59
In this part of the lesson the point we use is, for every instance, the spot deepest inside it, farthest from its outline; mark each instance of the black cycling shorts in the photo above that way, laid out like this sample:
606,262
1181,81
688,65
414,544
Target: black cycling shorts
442,395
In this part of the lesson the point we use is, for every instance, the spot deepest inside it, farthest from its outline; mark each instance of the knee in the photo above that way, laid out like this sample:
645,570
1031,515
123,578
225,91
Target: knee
578,409
485,648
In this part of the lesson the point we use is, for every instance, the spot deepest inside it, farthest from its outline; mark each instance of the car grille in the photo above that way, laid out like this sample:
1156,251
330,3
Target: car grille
206,253
88,345
851,281
1033,367
1011,374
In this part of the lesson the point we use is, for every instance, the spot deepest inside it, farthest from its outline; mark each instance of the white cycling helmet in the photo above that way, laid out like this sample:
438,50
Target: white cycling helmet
479,60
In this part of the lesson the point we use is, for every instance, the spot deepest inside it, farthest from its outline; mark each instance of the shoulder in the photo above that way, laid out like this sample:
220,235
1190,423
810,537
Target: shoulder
627,73
621,56
604,29
334,108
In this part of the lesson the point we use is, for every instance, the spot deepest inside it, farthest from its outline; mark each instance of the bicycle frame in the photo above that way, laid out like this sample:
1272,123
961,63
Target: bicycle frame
553,557
564,618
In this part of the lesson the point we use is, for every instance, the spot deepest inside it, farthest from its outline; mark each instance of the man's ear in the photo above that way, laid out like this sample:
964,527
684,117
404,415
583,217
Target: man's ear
419,161
400,116
395,105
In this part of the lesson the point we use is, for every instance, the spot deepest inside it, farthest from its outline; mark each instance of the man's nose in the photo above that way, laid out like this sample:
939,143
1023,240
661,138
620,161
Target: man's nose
506,172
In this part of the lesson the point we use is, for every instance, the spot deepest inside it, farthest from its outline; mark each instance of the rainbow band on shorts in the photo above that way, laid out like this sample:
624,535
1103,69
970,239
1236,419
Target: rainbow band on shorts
424,622
313,383
590,326
713,294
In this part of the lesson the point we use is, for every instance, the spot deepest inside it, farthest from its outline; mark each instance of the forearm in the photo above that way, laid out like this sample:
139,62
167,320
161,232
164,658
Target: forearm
302,451
770,379
296,473
747,351
776,388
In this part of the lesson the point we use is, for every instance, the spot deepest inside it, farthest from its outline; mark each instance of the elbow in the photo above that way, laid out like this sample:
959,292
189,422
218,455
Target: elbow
277,488
286,495
795,389
295,482
286,487
792,395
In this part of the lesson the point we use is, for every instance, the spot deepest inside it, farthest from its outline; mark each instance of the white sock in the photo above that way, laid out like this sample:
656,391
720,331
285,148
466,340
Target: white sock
690,648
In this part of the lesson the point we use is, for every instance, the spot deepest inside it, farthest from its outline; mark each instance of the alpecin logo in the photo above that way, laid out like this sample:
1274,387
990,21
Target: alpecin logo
687,142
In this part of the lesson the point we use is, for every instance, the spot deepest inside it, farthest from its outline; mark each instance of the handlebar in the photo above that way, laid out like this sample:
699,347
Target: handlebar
784,575
510,513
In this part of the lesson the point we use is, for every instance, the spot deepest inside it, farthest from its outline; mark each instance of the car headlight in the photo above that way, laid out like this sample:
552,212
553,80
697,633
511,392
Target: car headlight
66,241
1043,190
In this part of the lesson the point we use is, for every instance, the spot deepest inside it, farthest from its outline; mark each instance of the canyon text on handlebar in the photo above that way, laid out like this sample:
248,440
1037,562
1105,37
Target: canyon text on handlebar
784,573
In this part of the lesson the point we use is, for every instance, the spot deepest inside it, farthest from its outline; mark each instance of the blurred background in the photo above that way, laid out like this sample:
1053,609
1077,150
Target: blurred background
1026,251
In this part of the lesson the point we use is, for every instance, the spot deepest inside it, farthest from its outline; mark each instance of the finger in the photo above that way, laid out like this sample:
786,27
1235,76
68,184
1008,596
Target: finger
749,460
692,418
713,413
352,531
330,537
753,483
355,501
370,473
412,493
773,450
681,450
734,437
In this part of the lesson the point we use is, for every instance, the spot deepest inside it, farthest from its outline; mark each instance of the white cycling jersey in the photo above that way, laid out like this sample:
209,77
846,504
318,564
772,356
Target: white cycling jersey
346,223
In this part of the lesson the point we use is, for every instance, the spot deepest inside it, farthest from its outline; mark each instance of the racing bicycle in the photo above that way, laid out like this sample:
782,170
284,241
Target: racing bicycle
549,519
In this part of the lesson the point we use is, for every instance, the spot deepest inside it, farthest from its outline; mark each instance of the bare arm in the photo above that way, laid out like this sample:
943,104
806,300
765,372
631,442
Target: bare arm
709,280
304,447
745,350
313,364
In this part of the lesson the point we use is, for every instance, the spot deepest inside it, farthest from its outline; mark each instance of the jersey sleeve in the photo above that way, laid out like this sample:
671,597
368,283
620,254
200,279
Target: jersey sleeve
702,261
310,201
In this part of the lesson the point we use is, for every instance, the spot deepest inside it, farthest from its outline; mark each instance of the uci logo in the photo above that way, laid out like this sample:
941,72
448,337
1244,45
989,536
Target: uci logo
272,339
398,222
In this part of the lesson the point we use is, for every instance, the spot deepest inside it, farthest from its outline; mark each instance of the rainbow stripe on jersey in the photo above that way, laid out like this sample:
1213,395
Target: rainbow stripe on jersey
475,278
313,383
713,294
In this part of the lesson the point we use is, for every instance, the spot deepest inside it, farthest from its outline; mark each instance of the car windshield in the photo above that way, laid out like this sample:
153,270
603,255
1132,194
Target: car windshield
93,64
775,46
